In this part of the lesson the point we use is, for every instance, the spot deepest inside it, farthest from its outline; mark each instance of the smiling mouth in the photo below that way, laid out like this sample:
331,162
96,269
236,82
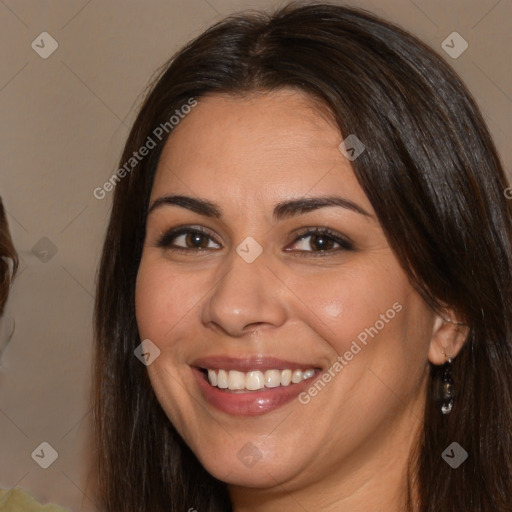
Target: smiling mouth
242,382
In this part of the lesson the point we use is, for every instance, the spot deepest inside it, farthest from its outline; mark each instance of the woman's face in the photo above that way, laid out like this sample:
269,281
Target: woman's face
264,277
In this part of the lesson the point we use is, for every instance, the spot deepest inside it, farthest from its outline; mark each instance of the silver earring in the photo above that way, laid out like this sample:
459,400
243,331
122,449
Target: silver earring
447,387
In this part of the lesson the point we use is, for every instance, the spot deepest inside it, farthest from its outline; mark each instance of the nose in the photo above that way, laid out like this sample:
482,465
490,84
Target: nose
246,297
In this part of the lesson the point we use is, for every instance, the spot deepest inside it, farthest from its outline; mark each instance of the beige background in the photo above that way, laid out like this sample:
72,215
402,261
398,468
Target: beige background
64,121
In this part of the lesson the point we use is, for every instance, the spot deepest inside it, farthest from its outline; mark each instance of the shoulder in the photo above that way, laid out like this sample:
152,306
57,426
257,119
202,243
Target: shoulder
20,500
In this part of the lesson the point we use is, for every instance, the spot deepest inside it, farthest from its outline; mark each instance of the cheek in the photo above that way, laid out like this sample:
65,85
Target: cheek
161,305
345,305
160,300
375,327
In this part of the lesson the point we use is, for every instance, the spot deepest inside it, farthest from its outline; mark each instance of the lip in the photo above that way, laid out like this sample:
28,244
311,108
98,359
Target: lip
252,403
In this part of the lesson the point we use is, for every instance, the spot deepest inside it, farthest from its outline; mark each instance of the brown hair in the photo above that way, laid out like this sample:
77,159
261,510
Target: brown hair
8,259
433,176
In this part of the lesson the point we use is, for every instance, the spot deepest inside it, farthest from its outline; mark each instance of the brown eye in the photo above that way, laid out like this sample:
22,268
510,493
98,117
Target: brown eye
321,241
187,239
194,240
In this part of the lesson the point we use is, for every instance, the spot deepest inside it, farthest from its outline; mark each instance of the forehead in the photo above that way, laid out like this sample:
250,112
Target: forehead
277,144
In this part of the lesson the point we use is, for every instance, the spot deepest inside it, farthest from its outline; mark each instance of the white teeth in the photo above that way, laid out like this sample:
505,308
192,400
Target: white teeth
286,377
296,376
235,380
212,377
222,379
272,378
253,381
307,374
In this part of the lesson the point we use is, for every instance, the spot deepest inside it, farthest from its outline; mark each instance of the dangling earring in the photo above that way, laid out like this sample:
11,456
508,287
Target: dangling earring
447,390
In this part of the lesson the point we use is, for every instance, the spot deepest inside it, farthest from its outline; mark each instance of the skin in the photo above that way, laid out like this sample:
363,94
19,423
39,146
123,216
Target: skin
348,448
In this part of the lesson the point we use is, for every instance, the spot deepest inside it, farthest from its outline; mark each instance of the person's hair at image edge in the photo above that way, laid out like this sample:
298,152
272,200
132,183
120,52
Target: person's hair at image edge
433,176
8,259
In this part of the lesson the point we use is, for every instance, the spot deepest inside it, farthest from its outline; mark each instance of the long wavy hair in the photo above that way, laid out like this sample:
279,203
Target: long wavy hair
435,181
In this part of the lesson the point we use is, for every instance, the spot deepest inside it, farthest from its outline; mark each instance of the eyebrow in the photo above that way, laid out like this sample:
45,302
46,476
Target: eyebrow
282,210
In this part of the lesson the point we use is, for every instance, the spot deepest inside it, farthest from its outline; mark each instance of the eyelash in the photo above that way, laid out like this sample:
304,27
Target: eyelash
165,241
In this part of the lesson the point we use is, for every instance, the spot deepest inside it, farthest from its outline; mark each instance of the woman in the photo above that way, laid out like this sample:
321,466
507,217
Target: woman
8,259
310,252
15,499
9,266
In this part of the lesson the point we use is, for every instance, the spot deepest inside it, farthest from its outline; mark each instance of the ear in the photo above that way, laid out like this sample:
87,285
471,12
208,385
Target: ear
448,337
